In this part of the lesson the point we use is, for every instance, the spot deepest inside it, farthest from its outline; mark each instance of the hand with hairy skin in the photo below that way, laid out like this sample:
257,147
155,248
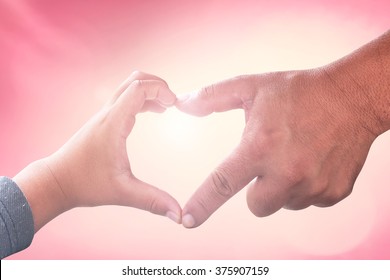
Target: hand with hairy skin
307,133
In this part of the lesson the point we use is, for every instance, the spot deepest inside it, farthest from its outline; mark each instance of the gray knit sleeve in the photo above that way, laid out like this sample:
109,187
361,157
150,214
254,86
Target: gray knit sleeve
16,220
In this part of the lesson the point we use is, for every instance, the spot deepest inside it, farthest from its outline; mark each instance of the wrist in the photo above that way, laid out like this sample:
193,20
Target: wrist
42,191
363,80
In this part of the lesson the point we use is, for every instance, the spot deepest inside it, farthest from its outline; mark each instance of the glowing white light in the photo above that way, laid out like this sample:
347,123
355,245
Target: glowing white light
178,129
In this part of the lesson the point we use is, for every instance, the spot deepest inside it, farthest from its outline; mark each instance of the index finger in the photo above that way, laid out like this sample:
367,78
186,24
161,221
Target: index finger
223,183
136,75
230,94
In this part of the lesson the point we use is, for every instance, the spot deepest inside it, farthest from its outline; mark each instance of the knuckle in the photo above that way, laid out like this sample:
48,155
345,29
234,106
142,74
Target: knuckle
294,176
207,92
152,205
320,186
162,82
138,87
221,185
341,192
135,75
301,171
137,84
336,194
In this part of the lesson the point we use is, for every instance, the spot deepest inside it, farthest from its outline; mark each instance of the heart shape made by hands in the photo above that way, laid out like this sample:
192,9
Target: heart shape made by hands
175,151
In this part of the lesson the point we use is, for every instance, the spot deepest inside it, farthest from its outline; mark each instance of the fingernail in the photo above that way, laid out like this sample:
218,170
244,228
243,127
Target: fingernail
188,221
168,98
173,216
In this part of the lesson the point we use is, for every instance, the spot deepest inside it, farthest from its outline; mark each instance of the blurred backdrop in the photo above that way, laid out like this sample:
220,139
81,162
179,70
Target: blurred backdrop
61,60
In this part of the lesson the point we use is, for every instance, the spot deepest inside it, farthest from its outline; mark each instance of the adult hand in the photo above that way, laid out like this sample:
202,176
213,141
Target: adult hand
304,143
93,167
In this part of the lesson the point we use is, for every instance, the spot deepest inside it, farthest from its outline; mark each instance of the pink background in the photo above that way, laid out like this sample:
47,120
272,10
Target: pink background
61,60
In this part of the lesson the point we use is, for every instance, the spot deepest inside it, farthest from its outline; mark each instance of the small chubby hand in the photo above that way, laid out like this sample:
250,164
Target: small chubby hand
93,167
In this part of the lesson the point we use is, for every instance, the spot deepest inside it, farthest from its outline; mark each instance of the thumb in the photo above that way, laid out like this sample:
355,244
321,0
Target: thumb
144,196
222,184
235,93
